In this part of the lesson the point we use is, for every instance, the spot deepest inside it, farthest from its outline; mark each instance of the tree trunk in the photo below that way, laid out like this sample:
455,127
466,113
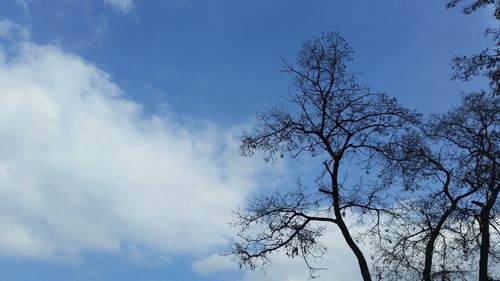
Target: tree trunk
363,265
485,245
484,226
429,248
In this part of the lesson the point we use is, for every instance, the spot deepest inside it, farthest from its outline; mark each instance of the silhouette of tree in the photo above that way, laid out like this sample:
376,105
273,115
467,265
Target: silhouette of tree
487,64
335,120
449,169
474,126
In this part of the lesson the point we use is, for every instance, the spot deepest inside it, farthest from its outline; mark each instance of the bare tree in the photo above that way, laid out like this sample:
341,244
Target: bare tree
414,235
331,117
449,168
487,64
473,127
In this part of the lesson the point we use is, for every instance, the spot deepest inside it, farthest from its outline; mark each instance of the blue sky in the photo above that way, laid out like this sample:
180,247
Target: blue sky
120,119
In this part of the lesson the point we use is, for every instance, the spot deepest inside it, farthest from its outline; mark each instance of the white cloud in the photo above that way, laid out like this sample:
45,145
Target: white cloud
124,6
13,31
82,169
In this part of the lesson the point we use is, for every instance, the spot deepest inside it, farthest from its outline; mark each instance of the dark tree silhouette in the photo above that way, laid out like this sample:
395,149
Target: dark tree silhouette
331,117
487,64
413,235
474,127
449,169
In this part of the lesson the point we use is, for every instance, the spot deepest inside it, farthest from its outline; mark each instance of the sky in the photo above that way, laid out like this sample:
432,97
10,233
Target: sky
120,122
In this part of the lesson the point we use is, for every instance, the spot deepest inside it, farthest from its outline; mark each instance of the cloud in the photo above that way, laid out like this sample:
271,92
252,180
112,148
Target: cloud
82,169
124,6
13,31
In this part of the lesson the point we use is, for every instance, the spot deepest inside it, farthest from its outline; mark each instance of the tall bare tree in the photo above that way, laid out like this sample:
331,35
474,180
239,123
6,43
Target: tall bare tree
331,117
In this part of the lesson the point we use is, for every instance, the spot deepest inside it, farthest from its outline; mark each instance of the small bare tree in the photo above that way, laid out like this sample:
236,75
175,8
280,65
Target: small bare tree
335,120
